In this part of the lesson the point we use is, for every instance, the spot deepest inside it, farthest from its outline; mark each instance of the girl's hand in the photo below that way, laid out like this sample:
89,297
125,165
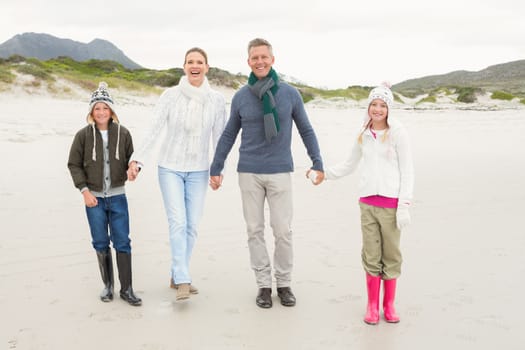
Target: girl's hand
315,176
402,216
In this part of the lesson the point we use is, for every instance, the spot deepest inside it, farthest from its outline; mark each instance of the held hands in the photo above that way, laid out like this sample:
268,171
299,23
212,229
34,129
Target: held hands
402,216
216,182
133,171
315,176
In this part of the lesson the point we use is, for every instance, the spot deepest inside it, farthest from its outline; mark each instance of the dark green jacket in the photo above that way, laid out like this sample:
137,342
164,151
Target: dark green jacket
89,173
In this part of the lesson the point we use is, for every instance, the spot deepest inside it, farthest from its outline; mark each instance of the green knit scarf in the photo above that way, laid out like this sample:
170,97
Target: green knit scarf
265,90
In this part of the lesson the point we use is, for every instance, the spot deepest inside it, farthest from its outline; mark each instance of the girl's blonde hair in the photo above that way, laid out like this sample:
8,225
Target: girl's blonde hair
384,94
368,124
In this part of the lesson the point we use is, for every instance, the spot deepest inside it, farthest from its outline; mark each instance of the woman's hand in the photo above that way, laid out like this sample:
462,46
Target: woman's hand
216,182
133,171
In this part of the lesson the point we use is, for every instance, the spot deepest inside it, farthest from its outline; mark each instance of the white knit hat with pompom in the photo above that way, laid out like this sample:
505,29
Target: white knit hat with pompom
382,92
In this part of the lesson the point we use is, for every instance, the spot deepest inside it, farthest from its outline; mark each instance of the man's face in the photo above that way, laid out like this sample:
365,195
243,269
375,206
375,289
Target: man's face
260,60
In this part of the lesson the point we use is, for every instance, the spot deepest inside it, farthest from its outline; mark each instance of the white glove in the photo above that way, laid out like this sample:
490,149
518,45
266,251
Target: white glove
402,216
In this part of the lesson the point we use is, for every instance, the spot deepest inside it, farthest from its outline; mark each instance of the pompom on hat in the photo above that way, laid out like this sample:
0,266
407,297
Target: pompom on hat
101,95
382,92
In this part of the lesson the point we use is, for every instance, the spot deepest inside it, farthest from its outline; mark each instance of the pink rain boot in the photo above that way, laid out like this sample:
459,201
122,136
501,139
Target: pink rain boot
388,301
373,285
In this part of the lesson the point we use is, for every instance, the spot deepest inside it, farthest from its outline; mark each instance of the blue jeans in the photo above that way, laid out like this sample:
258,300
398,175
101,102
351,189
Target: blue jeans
183,194
109,221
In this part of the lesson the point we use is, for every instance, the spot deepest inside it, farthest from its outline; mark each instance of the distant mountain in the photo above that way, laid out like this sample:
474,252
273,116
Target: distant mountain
506,76
45,46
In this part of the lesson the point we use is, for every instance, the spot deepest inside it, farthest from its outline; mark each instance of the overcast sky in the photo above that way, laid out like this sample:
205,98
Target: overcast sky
323,43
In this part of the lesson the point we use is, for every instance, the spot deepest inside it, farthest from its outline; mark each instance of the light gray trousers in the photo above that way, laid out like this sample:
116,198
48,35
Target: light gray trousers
276,189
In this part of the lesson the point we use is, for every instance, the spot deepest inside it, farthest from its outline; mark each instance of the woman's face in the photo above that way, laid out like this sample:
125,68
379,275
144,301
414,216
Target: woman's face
195,68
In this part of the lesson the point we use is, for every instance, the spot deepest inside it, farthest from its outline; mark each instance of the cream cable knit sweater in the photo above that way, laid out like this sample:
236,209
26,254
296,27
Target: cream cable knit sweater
386,167
186,119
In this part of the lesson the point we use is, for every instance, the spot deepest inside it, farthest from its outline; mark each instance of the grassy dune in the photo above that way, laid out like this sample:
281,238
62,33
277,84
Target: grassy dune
86,75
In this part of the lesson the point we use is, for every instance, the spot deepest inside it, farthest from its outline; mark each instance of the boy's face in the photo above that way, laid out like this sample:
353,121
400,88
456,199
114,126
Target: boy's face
101,114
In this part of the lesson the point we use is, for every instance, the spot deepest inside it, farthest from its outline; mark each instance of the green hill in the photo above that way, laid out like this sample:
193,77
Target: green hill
507,77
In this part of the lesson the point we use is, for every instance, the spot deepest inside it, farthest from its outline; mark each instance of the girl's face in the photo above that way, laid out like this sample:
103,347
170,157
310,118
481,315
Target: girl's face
378,112
101,114
195,68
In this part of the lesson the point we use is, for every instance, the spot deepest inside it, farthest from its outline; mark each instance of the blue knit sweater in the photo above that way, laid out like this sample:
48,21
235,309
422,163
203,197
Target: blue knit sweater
256,155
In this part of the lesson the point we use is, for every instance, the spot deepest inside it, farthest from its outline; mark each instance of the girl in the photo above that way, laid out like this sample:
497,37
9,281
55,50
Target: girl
385,191
98,160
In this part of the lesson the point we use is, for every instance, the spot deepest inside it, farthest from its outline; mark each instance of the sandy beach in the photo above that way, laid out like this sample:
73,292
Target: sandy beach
461,286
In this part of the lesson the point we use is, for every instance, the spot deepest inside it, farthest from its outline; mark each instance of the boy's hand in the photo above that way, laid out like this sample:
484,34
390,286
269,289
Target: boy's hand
89,199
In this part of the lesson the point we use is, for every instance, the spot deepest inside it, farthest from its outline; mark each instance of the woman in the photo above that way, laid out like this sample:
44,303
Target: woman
190,114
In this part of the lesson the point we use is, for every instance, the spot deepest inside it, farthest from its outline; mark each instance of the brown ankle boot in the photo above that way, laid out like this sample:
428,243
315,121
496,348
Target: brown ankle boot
183,291
193,289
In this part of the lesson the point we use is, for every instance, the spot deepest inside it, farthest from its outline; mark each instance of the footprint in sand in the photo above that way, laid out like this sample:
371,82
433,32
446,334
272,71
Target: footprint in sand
165,307
152,347
130,315
232,311
344,299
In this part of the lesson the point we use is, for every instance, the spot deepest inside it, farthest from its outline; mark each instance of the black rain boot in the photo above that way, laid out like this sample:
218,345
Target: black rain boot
124,274
105,264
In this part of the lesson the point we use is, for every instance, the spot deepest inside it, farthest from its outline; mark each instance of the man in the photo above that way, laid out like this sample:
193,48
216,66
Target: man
264,110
